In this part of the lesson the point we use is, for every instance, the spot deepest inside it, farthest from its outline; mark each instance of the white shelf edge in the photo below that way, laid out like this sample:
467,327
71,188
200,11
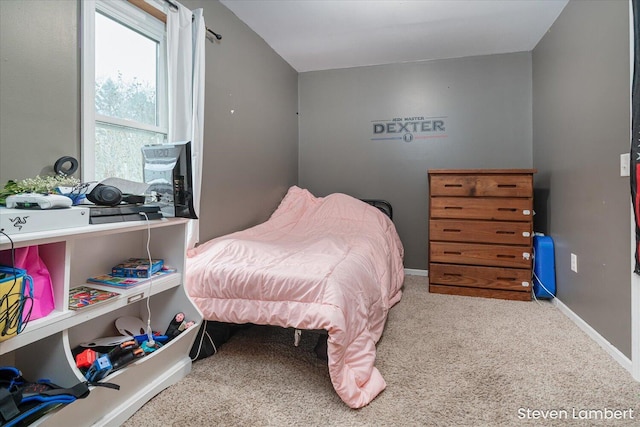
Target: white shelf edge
58,235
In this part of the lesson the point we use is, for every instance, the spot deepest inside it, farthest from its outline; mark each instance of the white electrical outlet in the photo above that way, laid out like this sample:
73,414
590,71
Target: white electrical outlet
574,263
624,164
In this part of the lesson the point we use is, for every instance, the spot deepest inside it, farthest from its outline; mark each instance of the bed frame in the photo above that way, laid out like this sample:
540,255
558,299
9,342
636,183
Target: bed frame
383,205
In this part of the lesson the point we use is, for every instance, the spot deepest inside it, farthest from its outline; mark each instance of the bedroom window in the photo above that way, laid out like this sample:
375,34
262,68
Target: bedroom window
124,88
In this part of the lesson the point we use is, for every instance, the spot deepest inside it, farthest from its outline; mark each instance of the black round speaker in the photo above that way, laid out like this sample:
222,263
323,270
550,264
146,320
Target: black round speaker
65,166
105,195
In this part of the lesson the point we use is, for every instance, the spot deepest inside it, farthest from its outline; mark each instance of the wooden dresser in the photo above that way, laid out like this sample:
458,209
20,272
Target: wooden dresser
481,232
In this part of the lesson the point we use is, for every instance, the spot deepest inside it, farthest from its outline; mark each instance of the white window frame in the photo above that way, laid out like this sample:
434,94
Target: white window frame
129,15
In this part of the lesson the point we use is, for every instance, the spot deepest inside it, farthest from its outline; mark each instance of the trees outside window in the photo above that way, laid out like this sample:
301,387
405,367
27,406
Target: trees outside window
126,64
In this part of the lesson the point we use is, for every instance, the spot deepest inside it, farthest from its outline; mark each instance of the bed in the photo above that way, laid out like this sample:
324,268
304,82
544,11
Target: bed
329,263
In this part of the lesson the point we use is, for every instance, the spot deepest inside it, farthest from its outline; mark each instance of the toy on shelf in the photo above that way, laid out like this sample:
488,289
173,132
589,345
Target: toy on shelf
137,267
177,326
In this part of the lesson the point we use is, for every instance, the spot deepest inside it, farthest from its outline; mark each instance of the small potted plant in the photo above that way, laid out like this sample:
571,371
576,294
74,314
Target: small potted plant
58,184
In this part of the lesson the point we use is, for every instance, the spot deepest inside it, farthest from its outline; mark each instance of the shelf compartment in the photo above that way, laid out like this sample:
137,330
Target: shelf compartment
164,306
60,320
162,368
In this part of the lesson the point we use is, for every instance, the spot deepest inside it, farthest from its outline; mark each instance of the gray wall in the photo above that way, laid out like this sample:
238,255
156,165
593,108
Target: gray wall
39,86
250,157
580,127
486,104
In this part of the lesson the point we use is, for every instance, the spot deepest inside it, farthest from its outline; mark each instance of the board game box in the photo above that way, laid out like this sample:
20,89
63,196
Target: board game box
137,267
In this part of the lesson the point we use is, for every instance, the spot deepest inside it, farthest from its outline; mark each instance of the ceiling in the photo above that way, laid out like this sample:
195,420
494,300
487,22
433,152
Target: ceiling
327,34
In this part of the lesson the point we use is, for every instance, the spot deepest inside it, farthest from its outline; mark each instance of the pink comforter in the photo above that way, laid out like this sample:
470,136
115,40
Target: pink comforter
332,263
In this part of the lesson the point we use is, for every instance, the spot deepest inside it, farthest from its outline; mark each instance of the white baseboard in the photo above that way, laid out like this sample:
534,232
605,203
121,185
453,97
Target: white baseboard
416,272
617,355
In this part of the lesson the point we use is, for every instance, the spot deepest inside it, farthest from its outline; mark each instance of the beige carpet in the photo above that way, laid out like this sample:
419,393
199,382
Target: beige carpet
447,360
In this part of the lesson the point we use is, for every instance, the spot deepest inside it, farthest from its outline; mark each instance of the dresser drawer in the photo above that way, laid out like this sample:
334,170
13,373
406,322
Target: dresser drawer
502,232
482,185
480,254
434,288
480,277
482,208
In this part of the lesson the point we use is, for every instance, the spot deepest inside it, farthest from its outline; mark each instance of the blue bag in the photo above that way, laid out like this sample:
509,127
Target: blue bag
16,301
23,402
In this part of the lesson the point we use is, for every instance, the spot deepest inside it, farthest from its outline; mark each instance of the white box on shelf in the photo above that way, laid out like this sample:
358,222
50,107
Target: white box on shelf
17,221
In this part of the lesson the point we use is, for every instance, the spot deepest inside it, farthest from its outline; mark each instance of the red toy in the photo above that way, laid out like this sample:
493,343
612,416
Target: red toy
85,359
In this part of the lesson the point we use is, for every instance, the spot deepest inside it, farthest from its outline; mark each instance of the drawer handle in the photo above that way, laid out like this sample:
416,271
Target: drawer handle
505,232
453,185
452,253
135,297
451,230
507,209
453,207
508,279
505,256
507,186
453,274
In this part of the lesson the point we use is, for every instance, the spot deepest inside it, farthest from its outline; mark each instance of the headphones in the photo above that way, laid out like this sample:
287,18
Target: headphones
107,195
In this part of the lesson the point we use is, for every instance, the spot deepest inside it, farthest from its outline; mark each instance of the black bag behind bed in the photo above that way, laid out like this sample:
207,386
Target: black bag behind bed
210,337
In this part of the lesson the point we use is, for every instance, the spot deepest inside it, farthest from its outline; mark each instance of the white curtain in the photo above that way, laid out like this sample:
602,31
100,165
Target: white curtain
185,61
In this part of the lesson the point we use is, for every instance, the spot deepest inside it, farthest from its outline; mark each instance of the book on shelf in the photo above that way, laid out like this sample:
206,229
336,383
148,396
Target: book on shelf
137,267
85,296
128,282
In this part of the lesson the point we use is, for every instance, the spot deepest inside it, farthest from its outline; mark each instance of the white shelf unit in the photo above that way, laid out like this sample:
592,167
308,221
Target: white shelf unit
44,348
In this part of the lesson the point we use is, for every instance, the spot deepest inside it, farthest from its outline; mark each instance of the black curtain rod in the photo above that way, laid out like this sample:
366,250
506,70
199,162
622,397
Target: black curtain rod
174,6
